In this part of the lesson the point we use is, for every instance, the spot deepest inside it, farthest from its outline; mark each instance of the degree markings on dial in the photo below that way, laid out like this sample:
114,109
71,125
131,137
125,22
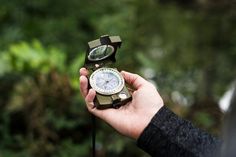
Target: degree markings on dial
107,81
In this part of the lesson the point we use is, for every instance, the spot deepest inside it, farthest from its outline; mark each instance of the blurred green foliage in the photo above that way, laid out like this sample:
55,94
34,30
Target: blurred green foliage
186,47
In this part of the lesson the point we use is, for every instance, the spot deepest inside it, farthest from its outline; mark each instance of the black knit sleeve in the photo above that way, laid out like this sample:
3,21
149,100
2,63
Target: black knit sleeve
167,135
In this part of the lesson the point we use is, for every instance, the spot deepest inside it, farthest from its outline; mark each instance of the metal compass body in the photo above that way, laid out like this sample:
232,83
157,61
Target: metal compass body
111,91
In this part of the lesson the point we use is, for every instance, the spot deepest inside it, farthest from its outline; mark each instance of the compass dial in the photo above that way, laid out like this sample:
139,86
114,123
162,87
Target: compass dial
106,81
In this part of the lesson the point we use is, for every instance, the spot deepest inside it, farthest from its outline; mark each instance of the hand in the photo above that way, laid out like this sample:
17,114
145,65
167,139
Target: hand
130,119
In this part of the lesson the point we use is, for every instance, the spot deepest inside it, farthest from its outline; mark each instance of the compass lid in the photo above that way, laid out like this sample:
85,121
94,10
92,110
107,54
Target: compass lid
102,51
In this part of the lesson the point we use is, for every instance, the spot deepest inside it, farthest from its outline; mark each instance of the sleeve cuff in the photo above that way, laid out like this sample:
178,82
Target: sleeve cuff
169,135
153,136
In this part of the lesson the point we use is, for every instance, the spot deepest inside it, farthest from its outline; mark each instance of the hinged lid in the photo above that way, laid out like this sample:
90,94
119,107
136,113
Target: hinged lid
102,51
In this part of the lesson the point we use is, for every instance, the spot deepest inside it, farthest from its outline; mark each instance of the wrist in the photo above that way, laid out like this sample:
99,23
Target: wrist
144,121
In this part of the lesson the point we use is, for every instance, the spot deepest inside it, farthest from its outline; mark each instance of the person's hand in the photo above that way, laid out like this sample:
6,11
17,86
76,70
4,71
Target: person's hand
130,119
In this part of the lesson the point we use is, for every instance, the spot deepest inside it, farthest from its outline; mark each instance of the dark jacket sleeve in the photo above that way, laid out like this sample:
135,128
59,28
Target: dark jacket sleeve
167,135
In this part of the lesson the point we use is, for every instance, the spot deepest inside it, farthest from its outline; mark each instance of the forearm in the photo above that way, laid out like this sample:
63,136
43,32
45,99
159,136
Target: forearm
169,135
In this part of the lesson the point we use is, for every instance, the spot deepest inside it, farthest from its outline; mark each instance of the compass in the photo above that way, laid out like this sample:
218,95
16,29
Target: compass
106,80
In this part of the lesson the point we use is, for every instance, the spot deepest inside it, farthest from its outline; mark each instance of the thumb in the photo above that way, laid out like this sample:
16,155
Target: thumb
133,79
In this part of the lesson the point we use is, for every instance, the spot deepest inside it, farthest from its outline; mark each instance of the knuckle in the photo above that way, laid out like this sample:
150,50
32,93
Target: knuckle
150,85
136,75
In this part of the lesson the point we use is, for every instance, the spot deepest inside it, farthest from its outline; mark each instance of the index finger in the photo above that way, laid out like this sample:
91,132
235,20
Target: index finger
83,86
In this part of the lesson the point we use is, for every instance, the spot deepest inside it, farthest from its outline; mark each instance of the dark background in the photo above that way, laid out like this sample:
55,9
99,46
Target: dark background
185,47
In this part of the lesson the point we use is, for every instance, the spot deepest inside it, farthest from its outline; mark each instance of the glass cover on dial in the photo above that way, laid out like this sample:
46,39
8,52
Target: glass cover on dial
107,81
100,52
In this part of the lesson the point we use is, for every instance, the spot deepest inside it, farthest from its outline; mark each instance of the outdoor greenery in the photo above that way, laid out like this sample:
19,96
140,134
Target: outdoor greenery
187,48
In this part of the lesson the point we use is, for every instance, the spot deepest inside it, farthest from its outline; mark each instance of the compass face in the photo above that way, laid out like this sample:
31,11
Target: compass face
106,81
